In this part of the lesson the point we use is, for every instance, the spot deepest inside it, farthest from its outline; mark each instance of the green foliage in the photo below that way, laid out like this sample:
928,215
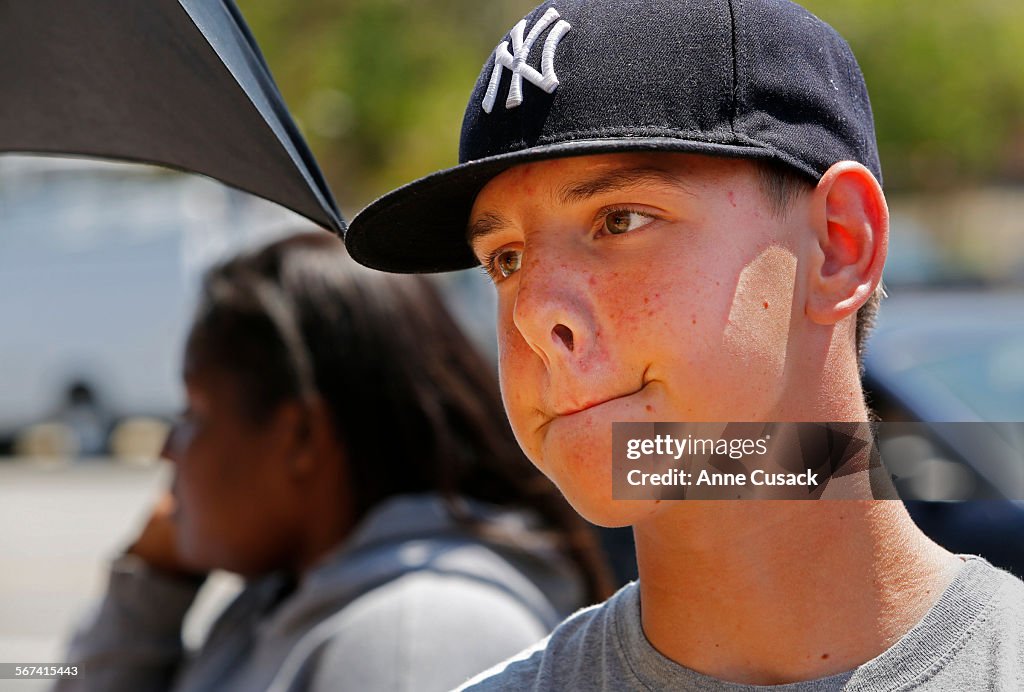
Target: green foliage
946,85
379,86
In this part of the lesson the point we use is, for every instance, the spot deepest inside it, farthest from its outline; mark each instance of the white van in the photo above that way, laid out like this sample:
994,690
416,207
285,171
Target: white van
99,263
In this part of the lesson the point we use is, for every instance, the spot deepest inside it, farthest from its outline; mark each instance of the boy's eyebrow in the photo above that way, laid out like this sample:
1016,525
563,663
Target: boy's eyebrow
615,180
488,223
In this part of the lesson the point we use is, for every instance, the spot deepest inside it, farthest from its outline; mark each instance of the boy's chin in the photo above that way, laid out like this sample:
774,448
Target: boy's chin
599,508
577,458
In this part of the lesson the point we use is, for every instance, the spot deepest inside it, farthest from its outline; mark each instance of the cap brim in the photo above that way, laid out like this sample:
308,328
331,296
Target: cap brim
421,227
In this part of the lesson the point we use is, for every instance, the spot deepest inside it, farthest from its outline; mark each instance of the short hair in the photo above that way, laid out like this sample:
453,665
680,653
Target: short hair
782,185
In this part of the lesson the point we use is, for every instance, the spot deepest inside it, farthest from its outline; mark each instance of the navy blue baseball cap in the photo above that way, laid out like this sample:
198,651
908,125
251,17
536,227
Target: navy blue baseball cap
756,79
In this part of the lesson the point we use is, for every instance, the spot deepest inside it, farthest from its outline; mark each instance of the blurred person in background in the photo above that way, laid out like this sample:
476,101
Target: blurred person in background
345,450
85,417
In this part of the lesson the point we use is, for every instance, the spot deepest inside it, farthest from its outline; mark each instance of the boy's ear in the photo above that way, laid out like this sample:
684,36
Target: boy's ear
851,224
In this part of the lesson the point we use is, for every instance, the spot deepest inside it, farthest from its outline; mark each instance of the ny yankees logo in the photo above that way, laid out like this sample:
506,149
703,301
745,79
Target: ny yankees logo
516,61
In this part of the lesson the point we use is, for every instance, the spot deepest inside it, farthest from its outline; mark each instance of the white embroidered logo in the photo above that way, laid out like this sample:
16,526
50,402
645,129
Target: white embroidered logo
516,61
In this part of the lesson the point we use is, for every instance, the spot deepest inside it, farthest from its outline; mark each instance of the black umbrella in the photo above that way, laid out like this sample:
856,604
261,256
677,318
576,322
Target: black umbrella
179,83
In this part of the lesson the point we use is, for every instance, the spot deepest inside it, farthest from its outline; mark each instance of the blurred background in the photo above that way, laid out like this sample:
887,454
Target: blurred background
99,263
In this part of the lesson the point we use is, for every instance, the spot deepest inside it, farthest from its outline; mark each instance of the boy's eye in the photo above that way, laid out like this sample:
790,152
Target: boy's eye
505,262
623,221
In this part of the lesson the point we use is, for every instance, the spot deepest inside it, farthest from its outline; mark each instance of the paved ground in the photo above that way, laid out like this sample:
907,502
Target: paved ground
59,524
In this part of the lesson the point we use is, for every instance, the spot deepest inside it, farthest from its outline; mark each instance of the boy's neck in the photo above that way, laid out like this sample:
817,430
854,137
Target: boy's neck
771,592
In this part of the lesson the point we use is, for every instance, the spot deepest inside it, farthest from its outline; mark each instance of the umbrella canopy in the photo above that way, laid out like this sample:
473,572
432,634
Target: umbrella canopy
177,83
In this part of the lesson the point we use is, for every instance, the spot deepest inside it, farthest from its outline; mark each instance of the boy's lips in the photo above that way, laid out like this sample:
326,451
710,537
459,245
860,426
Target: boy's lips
572,406
569,411
584,407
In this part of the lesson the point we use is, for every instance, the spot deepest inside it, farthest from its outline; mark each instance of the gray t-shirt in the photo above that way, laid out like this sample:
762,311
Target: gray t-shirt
971,639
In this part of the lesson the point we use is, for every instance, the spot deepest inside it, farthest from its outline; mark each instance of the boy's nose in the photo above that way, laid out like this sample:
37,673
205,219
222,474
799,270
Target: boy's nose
551,312
560,331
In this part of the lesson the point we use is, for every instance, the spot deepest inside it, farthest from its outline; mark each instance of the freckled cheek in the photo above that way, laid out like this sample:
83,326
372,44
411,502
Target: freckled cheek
524,420
518,371
634,307
506,331
621,298
514,353
511,377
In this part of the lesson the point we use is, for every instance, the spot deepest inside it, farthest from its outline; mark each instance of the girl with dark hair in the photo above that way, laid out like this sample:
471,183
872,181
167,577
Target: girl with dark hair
346,451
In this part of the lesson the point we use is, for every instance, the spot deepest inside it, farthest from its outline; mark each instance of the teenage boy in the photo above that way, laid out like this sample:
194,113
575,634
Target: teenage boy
679,202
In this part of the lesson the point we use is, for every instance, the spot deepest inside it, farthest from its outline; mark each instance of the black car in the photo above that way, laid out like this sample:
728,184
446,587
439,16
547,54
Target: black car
956,359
